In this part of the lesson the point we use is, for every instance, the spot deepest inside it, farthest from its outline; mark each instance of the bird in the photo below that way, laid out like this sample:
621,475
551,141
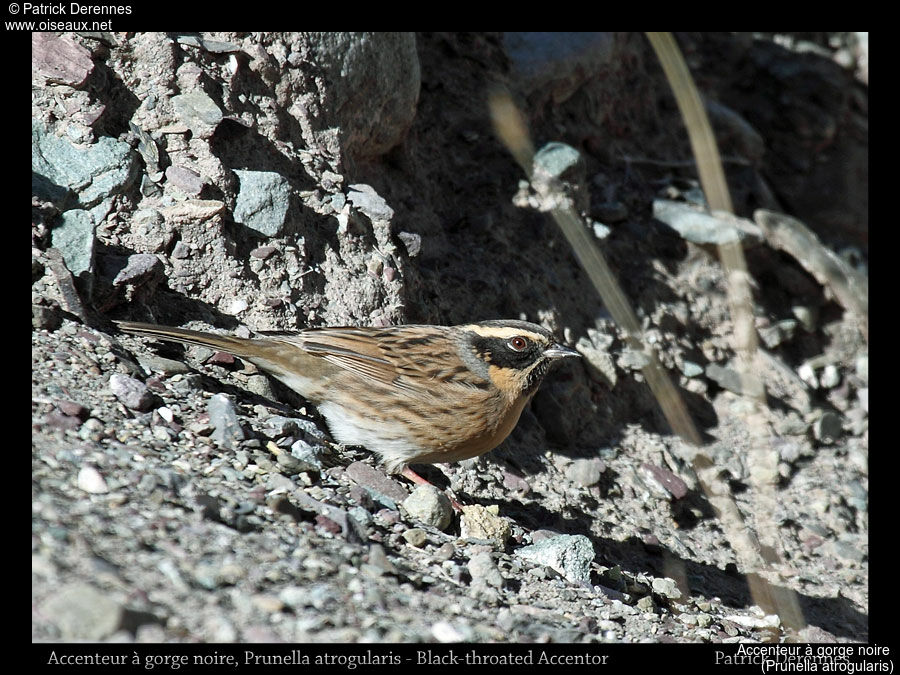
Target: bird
413,394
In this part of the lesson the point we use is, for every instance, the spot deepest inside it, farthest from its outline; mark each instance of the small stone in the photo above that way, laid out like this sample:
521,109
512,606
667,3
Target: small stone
237,306
570,555
90,480
445,552
599,359
633,359
699,227
672,484
586,472
725,377
264,252
415,536
645,604
559,160
58,58
484,570
443,631
691,369
223,417
764,622
131,392
430,506
788,451
862,367
81,612
181,251
828,428
830,377
198,111
666,587
72,409
263,201
139,269
74,237
601,231
478,522
379,559
310,456
381,488
369,202
188,181
412,242
807,316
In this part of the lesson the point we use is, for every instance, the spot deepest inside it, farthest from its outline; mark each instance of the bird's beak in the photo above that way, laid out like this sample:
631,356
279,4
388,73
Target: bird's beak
558,351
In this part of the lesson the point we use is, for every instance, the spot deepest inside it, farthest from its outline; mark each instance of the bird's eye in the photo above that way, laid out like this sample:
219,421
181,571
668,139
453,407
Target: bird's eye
518,344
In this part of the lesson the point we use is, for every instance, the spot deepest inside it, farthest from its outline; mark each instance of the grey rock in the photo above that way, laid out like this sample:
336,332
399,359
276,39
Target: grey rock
74,238
95,172
189,182
211,46
725,377
380,487
81,612
559,160
862,367
429,506
665,479
378,559
58,58
691,369
369,202
570,555
586,472
830,377
370,89
310,456
412,242
700,227
227,431
484,524
415,536
807,316
198,111
90,480
666,587
828,428
555,65
263,201
131,392
260,384
484,570
633,359
153,363
599,358
601,231
139,269
788,450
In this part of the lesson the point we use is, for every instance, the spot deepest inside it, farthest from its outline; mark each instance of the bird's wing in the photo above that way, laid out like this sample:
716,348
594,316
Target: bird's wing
412,358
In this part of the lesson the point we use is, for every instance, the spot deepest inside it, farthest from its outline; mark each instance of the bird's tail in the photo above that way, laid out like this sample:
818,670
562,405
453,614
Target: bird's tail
241,347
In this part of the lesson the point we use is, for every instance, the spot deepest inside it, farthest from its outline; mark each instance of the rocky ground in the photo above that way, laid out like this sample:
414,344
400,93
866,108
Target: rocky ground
276,181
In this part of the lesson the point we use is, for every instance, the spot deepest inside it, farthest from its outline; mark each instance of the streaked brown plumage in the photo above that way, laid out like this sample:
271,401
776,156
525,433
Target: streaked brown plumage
413,394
